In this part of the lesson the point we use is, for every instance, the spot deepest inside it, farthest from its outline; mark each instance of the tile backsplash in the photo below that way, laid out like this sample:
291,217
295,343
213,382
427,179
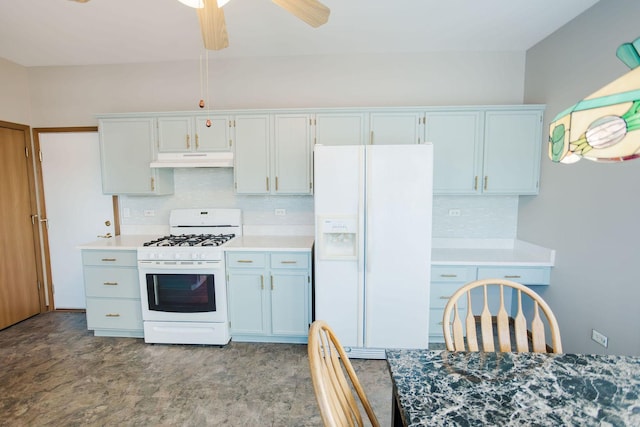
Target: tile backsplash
479,216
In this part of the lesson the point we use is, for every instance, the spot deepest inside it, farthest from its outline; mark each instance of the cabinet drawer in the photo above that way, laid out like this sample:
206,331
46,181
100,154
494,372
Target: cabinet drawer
524,275
441,292
289,260
246,260
460,274
435,321
111,282
112,258
111,313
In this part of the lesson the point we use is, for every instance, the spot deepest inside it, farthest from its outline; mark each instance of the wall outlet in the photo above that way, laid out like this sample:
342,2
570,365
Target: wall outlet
149,212
599,338
454,212
281,212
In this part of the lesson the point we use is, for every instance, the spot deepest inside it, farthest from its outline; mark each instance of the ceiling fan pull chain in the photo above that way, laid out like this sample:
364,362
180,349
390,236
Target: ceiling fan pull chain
208,123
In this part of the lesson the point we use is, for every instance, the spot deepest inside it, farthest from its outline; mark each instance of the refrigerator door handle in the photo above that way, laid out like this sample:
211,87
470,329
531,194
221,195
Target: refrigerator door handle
368,172
361,210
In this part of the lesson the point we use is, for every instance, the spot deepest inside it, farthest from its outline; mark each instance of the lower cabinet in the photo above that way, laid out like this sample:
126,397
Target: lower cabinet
446,279
269,296
113,293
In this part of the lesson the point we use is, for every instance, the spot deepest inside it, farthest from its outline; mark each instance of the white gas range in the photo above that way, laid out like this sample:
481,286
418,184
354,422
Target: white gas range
182,278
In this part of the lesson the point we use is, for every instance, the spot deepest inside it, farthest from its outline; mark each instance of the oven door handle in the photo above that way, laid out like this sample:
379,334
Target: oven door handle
152,266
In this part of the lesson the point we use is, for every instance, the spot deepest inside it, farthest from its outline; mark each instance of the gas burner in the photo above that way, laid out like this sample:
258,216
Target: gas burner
191,240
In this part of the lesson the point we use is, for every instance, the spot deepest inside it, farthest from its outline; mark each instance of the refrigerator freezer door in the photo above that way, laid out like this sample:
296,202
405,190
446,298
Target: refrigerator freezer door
339,283
398,245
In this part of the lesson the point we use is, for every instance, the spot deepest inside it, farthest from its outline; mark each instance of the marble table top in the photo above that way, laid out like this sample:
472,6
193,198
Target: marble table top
514,389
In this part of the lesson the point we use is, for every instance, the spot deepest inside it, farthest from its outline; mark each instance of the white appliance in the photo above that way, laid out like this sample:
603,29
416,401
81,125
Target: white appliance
373,209
183,288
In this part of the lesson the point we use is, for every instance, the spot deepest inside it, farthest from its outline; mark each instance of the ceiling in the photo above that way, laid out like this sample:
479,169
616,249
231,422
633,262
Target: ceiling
62,32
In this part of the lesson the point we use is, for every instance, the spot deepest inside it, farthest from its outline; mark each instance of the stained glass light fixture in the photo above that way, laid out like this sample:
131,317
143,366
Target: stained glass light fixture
605,126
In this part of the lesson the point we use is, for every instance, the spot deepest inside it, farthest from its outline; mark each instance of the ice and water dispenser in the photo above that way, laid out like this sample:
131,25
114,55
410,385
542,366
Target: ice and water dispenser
338,238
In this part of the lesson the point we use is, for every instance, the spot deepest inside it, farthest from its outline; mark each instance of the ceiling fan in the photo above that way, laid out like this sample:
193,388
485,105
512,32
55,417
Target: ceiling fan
214,28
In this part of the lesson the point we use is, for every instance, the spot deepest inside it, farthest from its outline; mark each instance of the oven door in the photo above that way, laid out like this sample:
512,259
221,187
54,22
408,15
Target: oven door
183,291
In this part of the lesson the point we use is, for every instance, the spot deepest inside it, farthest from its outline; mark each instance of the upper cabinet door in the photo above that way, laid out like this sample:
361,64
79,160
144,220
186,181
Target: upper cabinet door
212,138
292,154
341,128
127,147
512,150
396,128
252,154
457,150
174,134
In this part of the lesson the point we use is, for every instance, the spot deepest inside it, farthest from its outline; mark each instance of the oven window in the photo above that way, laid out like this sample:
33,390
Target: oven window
181,293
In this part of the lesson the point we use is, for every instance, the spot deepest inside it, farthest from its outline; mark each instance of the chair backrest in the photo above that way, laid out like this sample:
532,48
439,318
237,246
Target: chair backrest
460,321
334,393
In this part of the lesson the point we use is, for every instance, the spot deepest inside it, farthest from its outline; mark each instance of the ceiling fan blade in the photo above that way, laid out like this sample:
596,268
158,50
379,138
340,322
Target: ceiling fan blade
212,24
312,12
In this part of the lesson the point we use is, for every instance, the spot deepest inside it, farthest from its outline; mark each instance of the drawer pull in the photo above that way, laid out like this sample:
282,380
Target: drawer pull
445,297
108,259
110,283
513,276
112,315
448,275
288,262
246,261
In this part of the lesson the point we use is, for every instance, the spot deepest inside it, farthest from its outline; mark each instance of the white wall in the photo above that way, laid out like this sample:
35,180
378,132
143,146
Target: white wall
71,96
14,93
587,211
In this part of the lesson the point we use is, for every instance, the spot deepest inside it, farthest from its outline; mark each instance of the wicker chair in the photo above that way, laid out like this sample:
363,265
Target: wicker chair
461,324
334,393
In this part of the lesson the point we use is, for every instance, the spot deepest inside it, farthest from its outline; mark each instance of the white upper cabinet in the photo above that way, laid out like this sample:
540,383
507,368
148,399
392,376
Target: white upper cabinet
292,160
341,128
512,150
486,151
457,150
181,134
127,147
252,144
396,128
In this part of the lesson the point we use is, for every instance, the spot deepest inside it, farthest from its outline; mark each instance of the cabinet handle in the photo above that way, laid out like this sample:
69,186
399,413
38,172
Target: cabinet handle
276,183
288,262
445,297
110,283
486,181
197,142
475,183
513,276
261,281
448,275
112,315
188,145
249,261
153,184
267,183
371,138
230,143
108,259
271,282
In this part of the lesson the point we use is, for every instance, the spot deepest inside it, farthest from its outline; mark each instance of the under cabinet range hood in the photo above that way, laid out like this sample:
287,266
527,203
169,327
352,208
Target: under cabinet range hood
194,160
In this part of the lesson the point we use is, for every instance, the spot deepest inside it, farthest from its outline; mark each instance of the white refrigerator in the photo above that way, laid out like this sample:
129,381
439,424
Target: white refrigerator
372,257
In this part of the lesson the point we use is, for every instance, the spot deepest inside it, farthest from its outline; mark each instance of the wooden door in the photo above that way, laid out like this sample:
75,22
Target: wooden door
19,272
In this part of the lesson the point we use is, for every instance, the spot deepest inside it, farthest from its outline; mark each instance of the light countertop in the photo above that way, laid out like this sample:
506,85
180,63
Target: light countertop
270,243
498,252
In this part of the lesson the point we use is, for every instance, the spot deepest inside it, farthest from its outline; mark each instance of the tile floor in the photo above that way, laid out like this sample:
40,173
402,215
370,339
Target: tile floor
54,372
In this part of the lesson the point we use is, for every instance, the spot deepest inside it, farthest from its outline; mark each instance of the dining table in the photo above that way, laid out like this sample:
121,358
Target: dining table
442,388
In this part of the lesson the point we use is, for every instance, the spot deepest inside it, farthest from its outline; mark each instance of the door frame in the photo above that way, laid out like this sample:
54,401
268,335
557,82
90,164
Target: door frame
46,291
